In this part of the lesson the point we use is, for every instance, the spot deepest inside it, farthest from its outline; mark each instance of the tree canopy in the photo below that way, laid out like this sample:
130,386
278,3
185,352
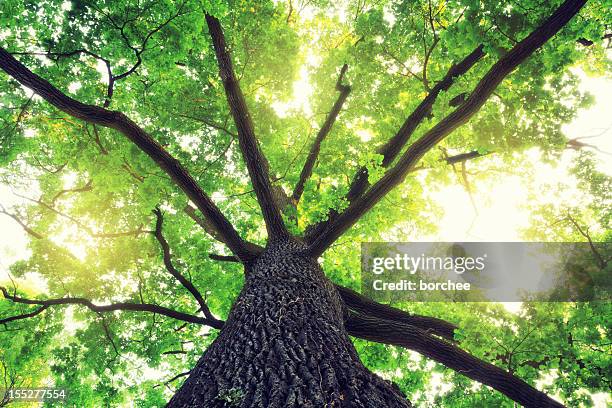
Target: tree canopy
138,187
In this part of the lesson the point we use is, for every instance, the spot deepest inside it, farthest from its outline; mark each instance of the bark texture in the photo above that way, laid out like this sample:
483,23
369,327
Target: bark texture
285,345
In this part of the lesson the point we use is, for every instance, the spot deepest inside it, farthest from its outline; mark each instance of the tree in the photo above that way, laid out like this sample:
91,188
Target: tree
126,101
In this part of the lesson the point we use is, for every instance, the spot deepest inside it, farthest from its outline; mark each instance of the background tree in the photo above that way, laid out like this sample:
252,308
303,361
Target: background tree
162,196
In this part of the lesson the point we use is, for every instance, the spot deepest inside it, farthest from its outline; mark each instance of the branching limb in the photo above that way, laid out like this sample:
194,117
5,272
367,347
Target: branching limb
143,46
344,90
392,148
56,56
118,121
408,336
120,306
395,175
253,157
174,272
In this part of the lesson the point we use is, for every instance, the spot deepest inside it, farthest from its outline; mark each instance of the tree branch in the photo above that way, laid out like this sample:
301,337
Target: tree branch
143,46
392,148
365,306
174,272
223,258
395,175
176,377
21,223
585,233
208,123
137,51
253,157
118,121
344,90
122,306
413,338
24,315
55,56
463,157
87,187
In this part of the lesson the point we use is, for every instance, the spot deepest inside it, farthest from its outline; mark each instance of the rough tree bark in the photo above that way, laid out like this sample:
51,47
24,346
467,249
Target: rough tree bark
284,344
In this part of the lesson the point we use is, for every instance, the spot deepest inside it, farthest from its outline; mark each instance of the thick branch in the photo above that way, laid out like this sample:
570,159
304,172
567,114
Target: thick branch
344,90
118,121
57,55
253,157
502,68
174,272
391,149
362,305
408,336
124,306
223,258
463,157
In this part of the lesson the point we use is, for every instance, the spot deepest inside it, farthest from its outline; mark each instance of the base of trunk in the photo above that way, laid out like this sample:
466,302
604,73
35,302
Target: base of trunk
284,345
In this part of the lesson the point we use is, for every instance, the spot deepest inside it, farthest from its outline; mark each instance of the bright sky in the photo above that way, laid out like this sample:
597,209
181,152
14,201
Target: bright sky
501,216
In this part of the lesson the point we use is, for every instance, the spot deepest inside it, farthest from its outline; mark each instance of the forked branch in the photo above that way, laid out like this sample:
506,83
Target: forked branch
483,90
174,272
22,224
393,147
118,121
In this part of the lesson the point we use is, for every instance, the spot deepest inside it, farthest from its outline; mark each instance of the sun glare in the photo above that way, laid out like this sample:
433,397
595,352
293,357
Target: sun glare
300,102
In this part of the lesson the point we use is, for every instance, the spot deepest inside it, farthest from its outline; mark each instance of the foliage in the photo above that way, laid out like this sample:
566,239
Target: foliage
288,57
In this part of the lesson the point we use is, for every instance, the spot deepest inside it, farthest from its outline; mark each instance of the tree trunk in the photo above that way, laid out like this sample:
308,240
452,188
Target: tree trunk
284,345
